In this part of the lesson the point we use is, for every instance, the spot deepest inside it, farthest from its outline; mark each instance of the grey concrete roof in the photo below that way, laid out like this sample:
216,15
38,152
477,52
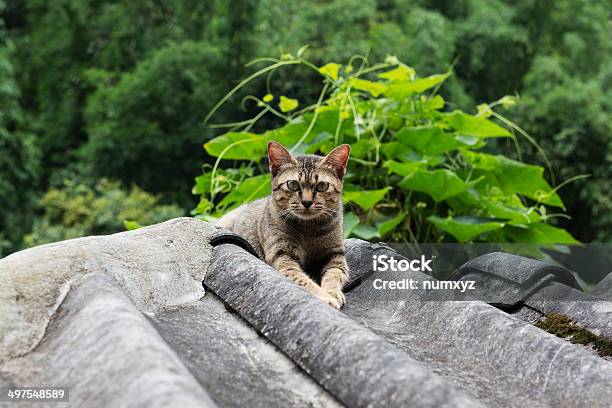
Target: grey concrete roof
123,321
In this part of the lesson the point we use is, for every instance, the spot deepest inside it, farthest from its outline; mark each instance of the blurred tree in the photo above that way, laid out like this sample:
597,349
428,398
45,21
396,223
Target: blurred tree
146,126
492,52
77,210
19,157
566,103
239,34
63,40
335,29
571,119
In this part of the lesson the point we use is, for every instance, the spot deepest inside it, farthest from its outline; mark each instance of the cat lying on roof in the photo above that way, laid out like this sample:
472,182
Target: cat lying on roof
298,228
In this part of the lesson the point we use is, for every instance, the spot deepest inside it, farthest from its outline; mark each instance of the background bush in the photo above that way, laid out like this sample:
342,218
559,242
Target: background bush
19,157
418,172
91,81
78,210
146,127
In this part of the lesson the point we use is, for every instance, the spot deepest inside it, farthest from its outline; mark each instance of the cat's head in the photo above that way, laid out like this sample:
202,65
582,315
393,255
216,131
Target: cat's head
307,187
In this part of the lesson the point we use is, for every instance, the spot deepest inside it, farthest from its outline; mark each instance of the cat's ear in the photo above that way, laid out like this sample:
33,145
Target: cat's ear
337,159
278,156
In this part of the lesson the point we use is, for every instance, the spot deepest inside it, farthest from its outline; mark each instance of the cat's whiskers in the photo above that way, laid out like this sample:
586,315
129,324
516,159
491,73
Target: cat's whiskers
285,214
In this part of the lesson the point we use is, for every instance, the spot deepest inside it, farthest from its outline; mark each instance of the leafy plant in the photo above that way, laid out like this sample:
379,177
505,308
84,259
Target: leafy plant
418,171
78,210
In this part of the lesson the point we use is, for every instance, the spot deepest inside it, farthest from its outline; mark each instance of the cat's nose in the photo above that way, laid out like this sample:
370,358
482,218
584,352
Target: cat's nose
306,203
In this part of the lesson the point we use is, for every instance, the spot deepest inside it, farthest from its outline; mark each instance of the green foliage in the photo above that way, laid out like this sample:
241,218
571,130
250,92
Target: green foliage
96,90
574,114
566,104
489,44
77,210
417,171
61,41
19,157
146,128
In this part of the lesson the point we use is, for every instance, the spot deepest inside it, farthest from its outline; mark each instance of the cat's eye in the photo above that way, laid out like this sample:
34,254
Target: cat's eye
293,185
322,186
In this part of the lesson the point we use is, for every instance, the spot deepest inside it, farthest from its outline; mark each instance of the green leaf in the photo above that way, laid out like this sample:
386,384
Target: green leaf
287,104
302,50
471,141
131,225
517,215
401,73
238,146
392,60
395,150
435,103
250,189
428,139
363,147
316,144
466,227
541,233
268,98
330,69
439,184
484,110
387,226
508,101
418,85
515,177
365,231
365,199
403,169
251,146
202,184
291,133
204,206
476,126
350,221
375,88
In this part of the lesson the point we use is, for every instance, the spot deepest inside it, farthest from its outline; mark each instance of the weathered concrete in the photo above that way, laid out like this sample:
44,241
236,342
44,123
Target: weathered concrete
358,367
603,290
507,280
514,282
236,365
589,312
108,355
158,266
84,299
501,359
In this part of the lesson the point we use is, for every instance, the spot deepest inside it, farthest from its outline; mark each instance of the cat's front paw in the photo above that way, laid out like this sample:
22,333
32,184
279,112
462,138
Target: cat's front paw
335,298
339,296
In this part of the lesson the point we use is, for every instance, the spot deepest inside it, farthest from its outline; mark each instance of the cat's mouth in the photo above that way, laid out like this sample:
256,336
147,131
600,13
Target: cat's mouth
308,212
311,213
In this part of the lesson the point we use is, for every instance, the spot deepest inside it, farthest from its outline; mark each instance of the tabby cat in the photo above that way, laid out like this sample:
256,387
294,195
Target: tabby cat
298,228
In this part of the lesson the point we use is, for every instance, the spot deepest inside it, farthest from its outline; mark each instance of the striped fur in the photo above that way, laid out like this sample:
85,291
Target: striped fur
300,232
